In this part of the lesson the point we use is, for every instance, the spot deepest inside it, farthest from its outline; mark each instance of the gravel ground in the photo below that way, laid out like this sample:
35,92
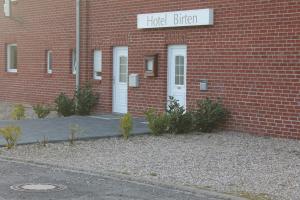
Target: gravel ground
225,162
7,108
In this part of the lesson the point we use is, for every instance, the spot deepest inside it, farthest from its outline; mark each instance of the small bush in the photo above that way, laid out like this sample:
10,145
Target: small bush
11,134
158,123
180,121
64,105
85,100
126,125
41,111
209,115
18,112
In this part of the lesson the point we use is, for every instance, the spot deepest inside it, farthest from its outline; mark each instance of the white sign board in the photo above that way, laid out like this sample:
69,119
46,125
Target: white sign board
176,19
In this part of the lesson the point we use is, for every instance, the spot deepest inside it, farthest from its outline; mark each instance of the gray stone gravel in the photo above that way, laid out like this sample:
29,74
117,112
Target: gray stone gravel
225,162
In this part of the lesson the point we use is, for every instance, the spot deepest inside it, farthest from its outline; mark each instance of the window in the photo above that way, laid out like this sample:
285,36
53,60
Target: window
74,61
7,8
97,65
123,69
179,70
49,62
151,65
12,58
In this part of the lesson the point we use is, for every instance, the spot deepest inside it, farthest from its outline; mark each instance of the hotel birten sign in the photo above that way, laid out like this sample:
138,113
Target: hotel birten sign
176,19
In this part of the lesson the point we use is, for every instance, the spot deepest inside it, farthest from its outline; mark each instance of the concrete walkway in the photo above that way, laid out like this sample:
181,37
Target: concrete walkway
58,129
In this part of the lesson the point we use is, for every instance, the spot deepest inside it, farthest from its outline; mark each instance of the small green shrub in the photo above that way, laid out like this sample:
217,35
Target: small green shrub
41,111
18,112
64,105
180,121
85,100
209,115
11,134
126,125
158,123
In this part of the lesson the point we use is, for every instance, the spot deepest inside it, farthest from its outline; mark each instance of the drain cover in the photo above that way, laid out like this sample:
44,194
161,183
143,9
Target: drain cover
30,187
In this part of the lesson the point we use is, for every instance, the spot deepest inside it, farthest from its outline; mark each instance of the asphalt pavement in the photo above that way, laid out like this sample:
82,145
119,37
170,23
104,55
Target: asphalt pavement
77,185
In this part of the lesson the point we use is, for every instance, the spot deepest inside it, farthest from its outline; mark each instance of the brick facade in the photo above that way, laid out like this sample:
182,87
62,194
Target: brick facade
250,56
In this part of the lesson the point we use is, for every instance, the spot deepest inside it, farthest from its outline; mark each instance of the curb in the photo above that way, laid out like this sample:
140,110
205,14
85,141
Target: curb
126,178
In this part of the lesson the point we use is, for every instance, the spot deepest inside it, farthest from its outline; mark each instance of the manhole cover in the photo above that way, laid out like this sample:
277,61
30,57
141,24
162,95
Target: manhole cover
30,187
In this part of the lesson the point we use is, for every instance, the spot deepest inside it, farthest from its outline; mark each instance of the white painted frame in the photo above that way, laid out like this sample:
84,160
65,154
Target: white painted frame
8,52
172,47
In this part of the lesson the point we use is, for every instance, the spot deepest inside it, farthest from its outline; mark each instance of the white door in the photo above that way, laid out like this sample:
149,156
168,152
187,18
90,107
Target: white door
120,80
177,64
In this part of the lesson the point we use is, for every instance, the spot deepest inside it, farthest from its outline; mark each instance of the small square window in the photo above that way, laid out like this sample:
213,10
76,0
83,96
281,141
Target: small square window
49,62
12,58
151,65
97,71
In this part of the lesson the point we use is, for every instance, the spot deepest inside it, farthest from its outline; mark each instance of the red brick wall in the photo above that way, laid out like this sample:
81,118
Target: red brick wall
40,25
251,56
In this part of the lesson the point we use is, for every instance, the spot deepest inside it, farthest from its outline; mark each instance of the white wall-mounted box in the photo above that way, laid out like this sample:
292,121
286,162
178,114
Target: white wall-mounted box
134,80
203,85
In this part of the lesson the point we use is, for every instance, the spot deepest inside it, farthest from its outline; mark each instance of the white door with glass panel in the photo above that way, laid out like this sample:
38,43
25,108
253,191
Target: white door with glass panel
120,80
177,64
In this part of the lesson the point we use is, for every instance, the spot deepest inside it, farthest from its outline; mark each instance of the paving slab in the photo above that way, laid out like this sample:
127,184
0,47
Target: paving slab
58,129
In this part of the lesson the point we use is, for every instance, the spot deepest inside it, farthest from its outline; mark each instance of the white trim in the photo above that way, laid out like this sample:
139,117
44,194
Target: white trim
8,66
49,71
12,70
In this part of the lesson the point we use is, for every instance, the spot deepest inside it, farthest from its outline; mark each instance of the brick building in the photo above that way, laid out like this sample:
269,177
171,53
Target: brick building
247,52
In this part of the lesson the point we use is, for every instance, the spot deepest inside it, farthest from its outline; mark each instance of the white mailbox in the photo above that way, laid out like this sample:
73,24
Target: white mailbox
133,80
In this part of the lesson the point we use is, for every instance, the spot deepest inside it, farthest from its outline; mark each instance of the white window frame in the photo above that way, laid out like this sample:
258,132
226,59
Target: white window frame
49,70
73,61
8,51
7,8
97,66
